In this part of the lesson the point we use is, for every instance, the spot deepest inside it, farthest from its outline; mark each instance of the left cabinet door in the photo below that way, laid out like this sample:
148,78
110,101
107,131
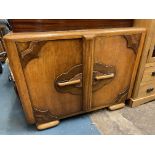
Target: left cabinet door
53,75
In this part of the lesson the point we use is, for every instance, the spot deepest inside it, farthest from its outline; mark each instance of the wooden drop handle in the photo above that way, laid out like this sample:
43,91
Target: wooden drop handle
62,84
102,77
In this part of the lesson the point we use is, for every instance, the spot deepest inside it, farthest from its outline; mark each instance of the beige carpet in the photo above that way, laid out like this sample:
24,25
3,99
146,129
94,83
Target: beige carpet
127,121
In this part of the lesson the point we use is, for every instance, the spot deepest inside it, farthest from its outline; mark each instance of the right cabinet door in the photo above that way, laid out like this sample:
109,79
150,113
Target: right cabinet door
115,63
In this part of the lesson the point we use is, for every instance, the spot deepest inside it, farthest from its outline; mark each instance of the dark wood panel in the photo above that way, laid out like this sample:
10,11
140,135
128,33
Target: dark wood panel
37,25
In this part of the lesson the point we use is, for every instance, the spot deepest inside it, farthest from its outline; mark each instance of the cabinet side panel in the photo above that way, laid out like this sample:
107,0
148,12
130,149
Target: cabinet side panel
16,68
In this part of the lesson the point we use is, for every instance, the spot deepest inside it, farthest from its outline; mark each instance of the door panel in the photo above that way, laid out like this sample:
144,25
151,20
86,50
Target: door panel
42,67
113,51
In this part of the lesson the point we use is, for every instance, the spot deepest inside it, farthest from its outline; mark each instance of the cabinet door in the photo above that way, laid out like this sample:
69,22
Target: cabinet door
53,74
114,65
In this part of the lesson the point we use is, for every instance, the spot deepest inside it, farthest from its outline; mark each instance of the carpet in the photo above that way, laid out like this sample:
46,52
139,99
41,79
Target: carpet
12,120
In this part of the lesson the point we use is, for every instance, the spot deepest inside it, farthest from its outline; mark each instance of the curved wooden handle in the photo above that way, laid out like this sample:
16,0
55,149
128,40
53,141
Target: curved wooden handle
62,84
102,77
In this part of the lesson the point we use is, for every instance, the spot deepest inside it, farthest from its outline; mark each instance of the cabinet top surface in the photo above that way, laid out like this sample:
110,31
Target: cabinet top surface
71,34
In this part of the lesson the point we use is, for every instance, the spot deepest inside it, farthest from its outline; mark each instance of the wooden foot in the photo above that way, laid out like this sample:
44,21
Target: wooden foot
47,125
116,106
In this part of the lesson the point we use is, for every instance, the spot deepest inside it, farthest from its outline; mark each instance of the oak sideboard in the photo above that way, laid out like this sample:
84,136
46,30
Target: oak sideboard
64,73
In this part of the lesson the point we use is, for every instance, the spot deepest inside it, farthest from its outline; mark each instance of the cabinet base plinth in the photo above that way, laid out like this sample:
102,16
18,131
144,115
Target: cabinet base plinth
136,102
116,106
47,125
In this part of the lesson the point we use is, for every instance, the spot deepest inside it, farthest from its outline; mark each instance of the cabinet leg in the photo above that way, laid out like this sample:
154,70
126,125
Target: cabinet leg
47,125
116,106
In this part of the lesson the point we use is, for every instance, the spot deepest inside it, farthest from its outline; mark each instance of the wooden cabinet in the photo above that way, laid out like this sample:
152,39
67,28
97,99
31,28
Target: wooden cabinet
61,74
144,88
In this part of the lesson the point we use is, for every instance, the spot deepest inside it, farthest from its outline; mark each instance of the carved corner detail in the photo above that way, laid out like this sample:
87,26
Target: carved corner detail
31,52
133,41
121,96
43,116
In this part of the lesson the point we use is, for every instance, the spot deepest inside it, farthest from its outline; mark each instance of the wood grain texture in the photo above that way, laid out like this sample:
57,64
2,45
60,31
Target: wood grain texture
116,106
37,25
29,50
137,63
64,50
139,101
124,66
151,55
133,41
149,74
55,58
43,116
18,74
102,75
88,56
146,89
152,64
72,34
70,81
47,125
149,25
